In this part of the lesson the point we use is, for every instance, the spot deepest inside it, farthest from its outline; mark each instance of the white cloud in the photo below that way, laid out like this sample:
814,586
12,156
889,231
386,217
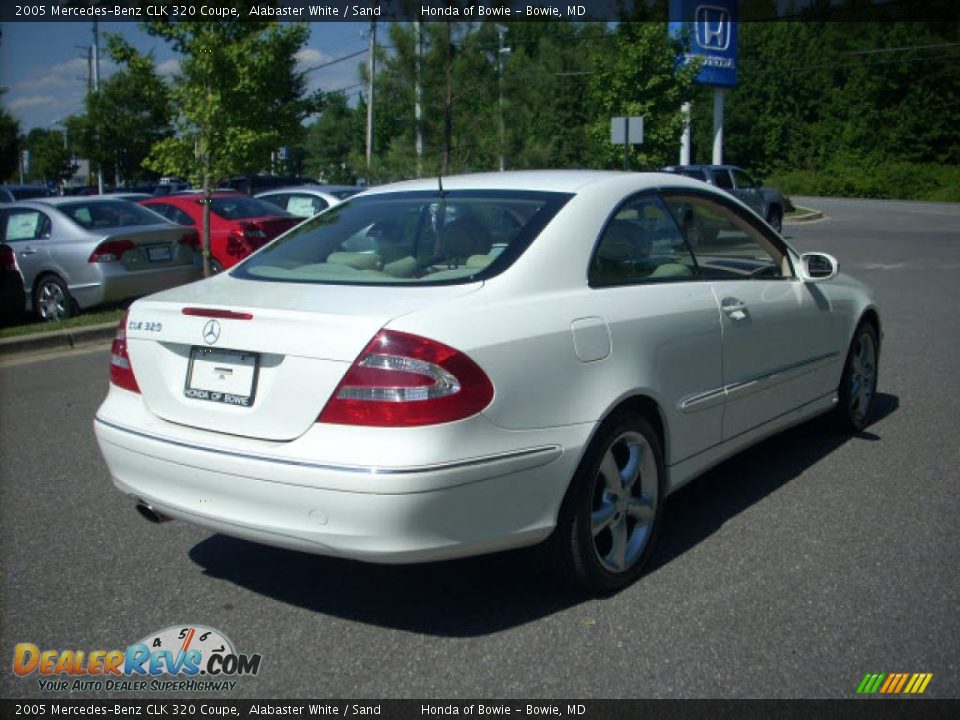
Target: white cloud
168,68
31,101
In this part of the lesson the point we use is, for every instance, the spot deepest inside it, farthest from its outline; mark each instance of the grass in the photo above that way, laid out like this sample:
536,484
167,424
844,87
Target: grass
33,326
869,179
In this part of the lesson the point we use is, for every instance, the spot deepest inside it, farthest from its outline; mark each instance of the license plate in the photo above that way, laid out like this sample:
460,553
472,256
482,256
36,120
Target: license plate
159,254
223,376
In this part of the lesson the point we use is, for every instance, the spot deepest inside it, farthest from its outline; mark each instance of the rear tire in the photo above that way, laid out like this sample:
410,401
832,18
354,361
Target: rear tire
52,299
858,384
610,516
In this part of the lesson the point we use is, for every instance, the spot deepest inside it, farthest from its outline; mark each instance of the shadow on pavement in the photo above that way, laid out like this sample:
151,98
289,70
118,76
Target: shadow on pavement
479,596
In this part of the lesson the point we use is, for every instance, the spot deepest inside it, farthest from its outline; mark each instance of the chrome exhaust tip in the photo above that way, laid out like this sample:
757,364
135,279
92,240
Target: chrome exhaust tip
150,514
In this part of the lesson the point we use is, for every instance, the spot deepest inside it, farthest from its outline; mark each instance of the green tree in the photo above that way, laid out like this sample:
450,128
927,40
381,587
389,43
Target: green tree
9,145
638,75
238,98
126,116
49,158
334,142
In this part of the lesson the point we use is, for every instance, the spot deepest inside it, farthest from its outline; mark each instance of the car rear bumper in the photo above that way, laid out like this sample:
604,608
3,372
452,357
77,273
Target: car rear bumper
116,284
382,513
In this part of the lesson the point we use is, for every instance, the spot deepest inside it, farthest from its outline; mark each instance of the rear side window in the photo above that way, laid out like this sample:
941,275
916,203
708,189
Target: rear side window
241,207
412,238
25,225
641,243
304,205
171,212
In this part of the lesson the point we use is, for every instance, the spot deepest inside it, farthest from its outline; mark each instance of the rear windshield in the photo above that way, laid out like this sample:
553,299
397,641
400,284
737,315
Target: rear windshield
96,214
412,238
241,207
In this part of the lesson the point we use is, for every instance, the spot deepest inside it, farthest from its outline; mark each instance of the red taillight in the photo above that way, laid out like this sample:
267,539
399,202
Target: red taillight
8,258
402,380
110,251
121,371
192,240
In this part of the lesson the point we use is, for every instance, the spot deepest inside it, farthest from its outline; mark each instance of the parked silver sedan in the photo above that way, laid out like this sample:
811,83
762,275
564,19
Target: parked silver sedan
76,253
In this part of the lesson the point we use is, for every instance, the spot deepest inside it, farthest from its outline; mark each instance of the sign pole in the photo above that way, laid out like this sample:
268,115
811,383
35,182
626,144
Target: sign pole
626,143
718,96
685,137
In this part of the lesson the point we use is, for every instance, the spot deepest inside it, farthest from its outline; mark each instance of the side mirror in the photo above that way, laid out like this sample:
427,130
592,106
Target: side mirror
817,267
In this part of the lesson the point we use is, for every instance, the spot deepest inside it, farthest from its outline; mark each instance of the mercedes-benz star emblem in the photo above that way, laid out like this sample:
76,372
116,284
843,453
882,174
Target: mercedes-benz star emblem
211,332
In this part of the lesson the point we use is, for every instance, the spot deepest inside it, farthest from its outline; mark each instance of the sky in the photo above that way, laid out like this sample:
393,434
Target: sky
44,65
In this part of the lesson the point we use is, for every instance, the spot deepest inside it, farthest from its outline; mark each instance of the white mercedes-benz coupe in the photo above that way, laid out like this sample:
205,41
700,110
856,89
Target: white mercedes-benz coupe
448,367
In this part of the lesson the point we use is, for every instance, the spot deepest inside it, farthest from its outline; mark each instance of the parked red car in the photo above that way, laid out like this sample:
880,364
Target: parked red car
239,224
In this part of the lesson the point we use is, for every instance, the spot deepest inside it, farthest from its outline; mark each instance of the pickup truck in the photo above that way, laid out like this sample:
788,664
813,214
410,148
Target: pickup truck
768,203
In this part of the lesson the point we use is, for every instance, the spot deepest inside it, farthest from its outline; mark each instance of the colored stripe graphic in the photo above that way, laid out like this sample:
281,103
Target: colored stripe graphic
894,683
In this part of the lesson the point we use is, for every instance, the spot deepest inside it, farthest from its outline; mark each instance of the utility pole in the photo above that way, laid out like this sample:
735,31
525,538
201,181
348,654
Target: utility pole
96,88
372,65
501,31
418,97
685,137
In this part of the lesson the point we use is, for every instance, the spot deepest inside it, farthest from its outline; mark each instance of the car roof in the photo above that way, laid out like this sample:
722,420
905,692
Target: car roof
567,181
324,189
191,194
67,199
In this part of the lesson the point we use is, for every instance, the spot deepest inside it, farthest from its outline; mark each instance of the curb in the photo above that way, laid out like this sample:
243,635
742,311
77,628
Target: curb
808,216
57,340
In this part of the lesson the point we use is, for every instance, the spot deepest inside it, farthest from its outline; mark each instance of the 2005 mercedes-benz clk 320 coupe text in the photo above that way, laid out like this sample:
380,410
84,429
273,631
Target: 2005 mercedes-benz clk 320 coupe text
442,368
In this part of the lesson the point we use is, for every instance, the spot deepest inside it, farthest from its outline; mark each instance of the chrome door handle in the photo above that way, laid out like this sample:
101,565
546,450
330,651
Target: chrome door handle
29,251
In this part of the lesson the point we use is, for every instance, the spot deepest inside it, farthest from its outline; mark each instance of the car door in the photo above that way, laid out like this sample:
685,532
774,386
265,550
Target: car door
747,191
27,231
663,319
778,337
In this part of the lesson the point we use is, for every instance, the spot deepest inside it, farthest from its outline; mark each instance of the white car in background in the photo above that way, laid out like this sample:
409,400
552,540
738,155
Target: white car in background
307,200
430,370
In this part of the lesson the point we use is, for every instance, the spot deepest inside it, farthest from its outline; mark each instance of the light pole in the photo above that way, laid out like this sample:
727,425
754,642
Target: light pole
372,66
501,51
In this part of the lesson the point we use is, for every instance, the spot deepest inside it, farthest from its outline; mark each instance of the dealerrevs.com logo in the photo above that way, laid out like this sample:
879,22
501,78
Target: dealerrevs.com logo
185,658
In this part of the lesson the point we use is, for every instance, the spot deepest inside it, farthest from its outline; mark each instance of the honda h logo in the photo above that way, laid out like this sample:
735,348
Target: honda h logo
713,27
211,332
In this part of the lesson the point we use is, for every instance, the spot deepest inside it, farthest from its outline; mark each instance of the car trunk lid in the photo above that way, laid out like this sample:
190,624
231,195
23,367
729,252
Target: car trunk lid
258,359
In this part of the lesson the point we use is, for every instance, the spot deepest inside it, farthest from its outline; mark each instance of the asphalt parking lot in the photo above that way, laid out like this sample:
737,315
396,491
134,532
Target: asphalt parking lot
789,571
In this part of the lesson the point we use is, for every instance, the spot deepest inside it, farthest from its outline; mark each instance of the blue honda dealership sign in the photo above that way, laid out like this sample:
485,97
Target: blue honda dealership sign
712,25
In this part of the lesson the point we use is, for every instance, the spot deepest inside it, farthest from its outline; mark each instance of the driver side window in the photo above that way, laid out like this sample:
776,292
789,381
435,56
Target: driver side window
725,244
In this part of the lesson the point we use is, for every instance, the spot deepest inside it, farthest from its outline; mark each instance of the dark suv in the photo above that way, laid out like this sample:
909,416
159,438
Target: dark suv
768,203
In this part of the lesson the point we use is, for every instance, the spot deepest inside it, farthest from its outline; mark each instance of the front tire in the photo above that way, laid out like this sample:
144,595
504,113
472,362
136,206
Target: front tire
858,384
611,514
52,299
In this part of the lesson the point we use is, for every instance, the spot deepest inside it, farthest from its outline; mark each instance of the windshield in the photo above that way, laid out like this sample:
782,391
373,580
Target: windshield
239,207
96,214
409,237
